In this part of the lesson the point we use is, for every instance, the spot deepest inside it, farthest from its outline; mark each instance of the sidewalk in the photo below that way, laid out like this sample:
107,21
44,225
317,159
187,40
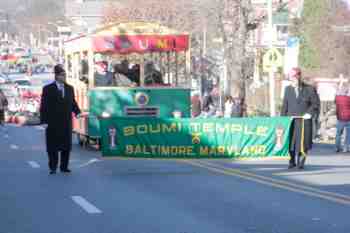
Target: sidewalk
324,169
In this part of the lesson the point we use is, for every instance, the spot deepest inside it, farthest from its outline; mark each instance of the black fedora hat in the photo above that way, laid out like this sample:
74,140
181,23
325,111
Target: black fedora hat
58,69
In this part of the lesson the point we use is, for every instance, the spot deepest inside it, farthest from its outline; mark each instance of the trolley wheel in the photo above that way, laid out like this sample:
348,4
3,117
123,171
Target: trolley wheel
94,143
99,144
82,140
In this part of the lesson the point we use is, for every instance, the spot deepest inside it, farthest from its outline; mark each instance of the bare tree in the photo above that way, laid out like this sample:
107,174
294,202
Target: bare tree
234,23
325,43
182,14
24,16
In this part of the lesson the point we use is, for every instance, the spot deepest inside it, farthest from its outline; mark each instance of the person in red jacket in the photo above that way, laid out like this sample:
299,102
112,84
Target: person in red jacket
342,102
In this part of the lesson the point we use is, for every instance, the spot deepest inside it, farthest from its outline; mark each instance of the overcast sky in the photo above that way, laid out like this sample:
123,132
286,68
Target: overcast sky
347,2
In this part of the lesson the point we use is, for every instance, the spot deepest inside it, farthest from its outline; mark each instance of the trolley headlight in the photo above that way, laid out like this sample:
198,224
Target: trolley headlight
106,115
177,114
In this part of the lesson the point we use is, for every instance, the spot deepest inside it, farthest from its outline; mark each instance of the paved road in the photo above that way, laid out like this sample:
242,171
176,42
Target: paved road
168,196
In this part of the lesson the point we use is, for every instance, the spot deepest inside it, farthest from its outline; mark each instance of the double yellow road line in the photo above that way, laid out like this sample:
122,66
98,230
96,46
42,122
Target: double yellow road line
272,182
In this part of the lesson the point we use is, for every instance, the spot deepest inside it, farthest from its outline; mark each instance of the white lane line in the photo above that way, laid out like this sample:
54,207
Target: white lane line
34,164
14,147
39,127
87,206
91,161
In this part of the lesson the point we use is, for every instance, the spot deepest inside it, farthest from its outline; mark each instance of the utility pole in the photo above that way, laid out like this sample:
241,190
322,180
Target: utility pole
39,36
271,71
7,24
205,38
203,53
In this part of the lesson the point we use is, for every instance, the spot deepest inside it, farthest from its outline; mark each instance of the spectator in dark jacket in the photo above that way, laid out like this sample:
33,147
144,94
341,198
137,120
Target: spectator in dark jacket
3,106
208,106
196,105
316,116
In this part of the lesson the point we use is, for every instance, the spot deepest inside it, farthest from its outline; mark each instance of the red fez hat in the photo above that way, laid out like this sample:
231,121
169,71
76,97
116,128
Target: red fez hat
295,72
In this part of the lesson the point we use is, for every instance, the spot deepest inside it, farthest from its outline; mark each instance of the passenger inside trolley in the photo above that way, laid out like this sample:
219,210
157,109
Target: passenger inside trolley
153,77
103,77
135,74
123,75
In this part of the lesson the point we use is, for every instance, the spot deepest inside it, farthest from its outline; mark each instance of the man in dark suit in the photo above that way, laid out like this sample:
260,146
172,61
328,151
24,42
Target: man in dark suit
57,105
299,101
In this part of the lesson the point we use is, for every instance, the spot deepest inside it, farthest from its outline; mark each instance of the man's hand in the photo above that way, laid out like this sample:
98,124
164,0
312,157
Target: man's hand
307,116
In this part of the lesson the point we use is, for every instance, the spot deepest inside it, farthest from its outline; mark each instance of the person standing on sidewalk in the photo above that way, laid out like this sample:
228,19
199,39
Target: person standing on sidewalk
299,101
57,105
342,102
196,105
3,107
316,117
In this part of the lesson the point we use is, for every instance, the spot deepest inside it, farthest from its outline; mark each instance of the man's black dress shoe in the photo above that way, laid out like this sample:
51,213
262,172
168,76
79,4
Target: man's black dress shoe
66,170
52,172
292,165
301,162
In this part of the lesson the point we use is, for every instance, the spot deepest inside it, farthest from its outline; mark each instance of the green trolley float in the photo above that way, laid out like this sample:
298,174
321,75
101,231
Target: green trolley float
128,70
134,81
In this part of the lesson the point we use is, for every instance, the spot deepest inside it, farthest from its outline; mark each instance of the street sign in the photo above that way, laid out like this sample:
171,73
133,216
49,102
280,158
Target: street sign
272,60
291,54
62,29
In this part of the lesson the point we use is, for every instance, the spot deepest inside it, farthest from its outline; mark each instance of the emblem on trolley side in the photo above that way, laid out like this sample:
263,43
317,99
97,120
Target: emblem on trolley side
141,98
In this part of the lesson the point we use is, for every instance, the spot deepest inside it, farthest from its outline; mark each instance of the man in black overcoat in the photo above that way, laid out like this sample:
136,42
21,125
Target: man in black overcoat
299,101
57,105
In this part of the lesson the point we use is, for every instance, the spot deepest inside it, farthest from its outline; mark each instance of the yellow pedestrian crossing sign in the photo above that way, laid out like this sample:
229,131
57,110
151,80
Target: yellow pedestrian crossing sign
272,60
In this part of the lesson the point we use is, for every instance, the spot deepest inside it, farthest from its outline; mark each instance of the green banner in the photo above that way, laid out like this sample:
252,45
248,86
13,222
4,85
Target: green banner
195,138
